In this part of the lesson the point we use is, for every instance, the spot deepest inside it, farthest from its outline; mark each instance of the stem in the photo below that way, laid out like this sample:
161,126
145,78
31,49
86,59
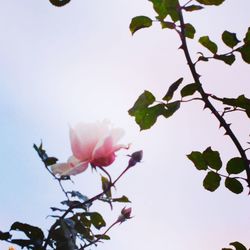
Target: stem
98,239
96,197
205,96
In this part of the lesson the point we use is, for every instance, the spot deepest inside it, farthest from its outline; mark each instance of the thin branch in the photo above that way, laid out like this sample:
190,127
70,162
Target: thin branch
96,197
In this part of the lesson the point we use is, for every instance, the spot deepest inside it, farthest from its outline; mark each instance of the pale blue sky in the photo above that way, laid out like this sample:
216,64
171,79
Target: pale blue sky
80,63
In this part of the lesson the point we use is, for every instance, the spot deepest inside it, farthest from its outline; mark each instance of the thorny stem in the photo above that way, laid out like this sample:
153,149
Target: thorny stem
205,96
96,197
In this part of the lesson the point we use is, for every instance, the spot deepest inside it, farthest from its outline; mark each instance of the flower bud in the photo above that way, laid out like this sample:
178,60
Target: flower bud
125,214
135,158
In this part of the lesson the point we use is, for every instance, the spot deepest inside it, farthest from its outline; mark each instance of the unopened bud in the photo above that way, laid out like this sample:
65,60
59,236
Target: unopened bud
125,214
135,158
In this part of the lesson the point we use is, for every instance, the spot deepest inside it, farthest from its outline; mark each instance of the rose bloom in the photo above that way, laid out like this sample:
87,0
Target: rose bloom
91,143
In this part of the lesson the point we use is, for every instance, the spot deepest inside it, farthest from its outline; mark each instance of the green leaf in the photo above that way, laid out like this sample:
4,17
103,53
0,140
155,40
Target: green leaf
235,165
210,2
206,42
171,108
173,87
102,236
245,52
5,236
139,22
143,101
212,158
121,199
230,39
189,30
198,160
167,25
238,245
233,185
189,89
97,220
59,3
211,181
106,186
193,7
228,59
50,161
240,102
166,7
32,232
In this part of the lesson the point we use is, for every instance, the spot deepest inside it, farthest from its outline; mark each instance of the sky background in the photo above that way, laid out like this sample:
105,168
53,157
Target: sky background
60,66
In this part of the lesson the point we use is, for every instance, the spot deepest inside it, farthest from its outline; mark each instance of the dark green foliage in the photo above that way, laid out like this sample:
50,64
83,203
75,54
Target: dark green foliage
59,3
32,232
239,102
245,49
5,236
166,7
233,185
245,52
121,199
171,108
50,161
230,39
96,219
173,87
146,115
210,2
211,181
206,42
189,89
235,165
209,158
228,59
102,237
212,158
193,7
143,101
167,25
238,245
189,30
139,22
106,186
198,160
35,235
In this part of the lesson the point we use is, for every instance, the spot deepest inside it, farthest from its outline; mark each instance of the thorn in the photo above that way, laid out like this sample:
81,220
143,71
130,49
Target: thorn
181,47
205,107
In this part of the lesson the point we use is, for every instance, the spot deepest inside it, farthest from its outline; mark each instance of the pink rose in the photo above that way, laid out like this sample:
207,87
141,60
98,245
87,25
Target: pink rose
94,143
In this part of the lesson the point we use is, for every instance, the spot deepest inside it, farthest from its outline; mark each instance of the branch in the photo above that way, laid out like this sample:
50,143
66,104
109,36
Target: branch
205,96
96,197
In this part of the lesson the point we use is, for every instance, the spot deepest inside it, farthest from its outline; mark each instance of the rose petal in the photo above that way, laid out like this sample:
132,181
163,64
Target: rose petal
84,138
72,167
